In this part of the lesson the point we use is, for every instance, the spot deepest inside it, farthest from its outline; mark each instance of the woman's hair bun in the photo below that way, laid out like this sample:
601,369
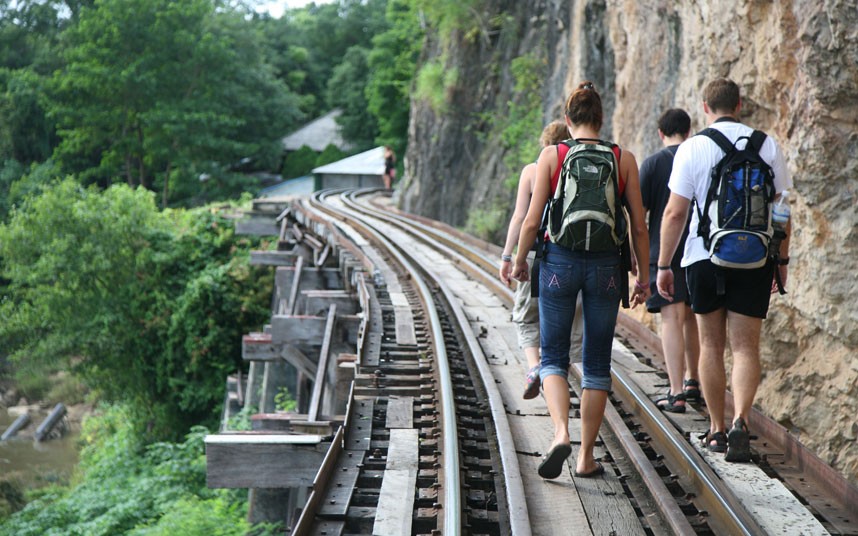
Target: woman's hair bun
586,85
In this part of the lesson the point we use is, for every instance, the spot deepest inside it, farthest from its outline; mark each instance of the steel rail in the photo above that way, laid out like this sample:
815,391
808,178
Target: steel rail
449,429
477,261
514,487
711,491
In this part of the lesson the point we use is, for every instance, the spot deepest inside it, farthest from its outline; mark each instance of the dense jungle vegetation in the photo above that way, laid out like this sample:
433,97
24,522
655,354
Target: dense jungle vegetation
128,130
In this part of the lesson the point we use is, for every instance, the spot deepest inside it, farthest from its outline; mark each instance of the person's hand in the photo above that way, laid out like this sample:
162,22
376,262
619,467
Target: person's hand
640,293
520,271
504,272
783,273
664,284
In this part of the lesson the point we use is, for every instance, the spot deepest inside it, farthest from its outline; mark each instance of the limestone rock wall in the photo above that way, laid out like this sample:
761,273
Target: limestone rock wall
797,66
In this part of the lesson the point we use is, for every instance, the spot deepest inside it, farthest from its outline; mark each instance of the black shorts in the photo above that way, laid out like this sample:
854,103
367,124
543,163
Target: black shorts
680,289
746,292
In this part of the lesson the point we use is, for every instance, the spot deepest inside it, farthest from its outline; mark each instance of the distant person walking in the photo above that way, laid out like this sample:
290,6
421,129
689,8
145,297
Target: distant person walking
730,303
679,339
525,311
583,256
389,167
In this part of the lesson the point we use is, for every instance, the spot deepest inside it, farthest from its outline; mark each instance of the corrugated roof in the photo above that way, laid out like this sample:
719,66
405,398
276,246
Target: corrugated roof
317,134
366,163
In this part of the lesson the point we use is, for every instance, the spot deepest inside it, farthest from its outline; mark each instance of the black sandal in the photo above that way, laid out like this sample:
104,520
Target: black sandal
738,443
692,389
554,462
715,442
672,403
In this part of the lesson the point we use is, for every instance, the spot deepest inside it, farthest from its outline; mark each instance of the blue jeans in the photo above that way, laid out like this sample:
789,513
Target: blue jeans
562,274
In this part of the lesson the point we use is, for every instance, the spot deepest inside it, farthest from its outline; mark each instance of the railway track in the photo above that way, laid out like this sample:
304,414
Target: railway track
474,446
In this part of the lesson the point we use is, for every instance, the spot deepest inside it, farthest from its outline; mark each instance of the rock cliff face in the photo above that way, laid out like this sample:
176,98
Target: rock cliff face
797,66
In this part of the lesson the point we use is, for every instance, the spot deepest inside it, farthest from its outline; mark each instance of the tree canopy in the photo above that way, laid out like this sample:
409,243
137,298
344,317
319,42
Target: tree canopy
147,306
156,91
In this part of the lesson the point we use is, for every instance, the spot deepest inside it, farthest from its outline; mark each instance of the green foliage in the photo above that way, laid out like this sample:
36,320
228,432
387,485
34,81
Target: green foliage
434,83
125,488
346,91
332,153
11,497
206,325
284,401
26,134
521,126
450,15
148,307
392,64
11,171
151,93
241,420
485,223
310,42
299,163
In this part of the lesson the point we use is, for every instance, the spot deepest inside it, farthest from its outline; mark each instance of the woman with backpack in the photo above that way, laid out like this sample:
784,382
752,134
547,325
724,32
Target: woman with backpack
586,227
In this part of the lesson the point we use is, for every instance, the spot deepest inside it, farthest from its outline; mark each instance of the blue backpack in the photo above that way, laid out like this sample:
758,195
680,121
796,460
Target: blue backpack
736,220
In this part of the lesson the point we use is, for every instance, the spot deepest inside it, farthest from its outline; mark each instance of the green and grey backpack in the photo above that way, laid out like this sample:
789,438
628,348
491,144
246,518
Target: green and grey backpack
586,210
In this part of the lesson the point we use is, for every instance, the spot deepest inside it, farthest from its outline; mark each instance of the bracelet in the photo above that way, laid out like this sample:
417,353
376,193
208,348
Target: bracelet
664,268
639,285
783,262
506,258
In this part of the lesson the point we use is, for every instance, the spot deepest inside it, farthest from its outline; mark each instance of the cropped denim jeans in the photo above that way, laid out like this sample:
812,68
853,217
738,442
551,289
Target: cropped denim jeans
562,274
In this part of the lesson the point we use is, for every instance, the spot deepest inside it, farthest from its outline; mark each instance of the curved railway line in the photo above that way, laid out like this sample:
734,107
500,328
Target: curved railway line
436,439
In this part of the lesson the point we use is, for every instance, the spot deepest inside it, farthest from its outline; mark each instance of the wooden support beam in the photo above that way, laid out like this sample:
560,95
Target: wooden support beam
275,422
254,385
308,330
293,290
317,301
271,206
312,278
313,242
297,233
298,359
258,347
273,258
263,460
323,255
324,356
256,226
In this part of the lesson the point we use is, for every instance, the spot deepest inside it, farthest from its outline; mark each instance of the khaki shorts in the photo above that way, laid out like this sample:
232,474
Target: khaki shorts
525,315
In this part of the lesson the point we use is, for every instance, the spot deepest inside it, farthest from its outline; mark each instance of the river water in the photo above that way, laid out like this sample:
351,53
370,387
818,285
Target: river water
35,464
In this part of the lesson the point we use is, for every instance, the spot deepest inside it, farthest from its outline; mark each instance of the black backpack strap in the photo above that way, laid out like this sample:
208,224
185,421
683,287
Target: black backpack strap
539,248
719,138
758,138
703,221
778,280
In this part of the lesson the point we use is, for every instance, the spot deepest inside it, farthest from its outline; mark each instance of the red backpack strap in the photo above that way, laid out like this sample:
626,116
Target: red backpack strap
562,149
619,153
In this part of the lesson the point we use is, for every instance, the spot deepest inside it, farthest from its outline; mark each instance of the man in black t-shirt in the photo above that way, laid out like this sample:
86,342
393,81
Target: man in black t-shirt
678,326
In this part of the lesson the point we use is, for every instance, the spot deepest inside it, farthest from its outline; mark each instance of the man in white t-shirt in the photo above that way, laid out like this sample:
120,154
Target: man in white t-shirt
736,310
